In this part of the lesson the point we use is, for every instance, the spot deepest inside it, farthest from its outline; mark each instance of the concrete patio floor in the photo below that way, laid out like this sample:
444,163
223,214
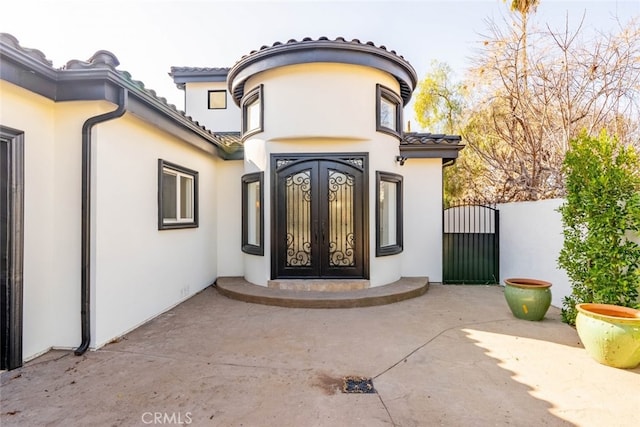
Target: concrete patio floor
454,356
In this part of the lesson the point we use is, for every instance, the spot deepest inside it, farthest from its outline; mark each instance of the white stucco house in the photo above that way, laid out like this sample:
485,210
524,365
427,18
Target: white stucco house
291,164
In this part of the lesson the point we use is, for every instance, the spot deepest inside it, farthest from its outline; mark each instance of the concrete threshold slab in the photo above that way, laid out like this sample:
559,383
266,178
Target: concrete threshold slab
322,285
239,289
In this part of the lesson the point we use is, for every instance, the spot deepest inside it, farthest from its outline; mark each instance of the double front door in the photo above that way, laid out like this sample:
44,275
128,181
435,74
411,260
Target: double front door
319,217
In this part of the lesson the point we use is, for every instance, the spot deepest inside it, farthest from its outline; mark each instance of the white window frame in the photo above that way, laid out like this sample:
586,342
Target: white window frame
181,220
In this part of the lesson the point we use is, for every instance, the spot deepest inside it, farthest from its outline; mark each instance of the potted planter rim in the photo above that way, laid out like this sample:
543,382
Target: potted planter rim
610,333
528,299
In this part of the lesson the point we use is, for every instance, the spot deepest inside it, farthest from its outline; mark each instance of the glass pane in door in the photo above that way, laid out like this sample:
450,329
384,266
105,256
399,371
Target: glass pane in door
341,219
298,211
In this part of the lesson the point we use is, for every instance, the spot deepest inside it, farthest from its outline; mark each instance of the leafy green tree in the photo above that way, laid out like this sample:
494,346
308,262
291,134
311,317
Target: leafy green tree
601,220
439,104
439,101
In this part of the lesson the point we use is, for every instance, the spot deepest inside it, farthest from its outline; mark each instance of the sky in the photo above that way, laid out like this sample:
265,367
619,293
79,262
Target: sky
148,37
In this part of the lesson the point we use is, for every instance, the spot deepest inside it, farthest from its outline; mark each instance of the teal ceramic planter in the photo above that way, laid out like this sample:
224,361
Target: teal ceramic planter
528,299
610,334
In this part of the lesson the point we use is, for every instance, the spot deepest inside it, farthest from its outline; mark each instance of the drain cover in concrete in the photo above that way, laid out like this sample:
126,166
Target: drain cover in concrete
357,385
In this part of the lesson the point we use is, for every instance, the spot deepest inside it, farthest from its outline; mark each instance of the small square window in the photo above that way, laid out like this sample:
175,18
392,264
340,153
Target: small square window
252,112
388,214
217,99
253,213
388,111
177,196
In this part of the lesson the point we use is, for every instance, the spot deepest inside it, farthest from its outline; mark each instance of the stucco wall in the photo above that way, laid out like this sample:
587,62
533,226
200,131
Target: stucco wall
34,115
196,106
140,271
331,108
530,242
422,254
51,281
137,270
321,100
229,207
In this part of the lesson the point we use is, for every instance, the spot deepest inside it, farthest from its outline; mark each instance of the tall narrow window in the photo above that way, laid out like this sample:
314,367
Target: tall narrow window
217,99
177,196
252,112
253,214
388,111
388,214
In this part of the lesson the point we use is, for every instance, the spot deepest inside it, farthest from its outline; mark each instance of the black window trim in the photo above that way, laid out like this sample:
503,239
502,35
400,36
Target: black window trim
162,164
209,92
254,94
246,246
398,247
391,96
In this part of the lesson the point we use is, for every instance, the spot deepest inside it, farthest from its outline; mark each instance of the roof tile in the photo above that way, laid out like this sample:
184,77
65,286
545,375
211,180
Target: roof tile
416,138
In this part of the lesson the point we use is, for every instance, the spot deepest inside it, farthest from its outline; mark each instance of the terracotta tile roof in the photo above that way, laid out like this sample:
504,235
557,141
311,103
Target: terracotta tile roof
430,145
34,54
198,70
103,63
416,139
229,138
182,75
337,39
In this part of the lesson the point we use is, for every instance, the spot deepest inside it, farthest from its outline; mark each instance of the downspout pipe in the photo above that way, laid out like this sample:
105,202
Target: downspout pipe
85,280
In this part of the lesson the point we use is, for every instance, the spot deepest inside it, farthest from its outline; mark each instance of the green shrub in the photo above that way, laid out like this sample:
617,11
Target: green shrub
602,209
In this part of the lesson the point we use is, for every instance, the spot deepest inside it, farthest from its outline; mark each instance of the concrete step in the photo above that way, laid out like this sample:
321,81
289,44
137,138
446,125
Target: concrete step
240,289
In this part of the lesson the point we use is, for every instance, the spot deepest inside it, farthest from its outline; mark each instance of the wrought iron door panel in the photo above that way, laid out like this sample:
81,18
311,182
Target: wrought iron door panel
319,227
298,208
341,222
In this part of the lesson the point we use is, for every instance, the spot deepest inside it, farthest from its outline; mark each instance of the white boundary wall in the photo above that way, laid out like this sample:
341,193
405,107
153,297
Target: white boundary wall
530,242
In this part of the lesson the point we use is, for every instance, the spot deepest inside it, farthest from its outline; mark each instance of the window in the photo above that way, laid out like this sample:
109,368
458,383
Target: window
217,99
388,111
388,214
177,196
252,112
252,214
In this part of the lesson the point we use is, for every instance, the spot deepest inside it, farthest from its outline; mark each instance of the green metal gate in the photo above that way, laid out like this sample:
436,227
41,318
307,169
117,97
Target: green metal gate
471,244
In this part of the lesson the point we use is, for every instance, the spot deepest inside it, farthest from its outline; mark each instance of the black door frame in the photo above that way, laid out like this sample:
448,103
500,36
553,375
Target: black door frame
11,246
357,161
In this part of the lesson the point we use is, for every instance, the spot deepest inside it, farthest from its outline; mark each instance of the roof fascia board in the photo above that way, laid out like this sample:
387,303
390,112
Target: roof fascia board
200,78
181,77
141,110
25,72
430,151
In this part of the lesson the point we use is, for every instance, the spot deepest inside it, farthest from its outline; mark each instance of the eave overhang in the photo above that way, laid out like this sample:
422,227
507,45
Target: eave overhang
98,79
322,50
183,75
415,145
